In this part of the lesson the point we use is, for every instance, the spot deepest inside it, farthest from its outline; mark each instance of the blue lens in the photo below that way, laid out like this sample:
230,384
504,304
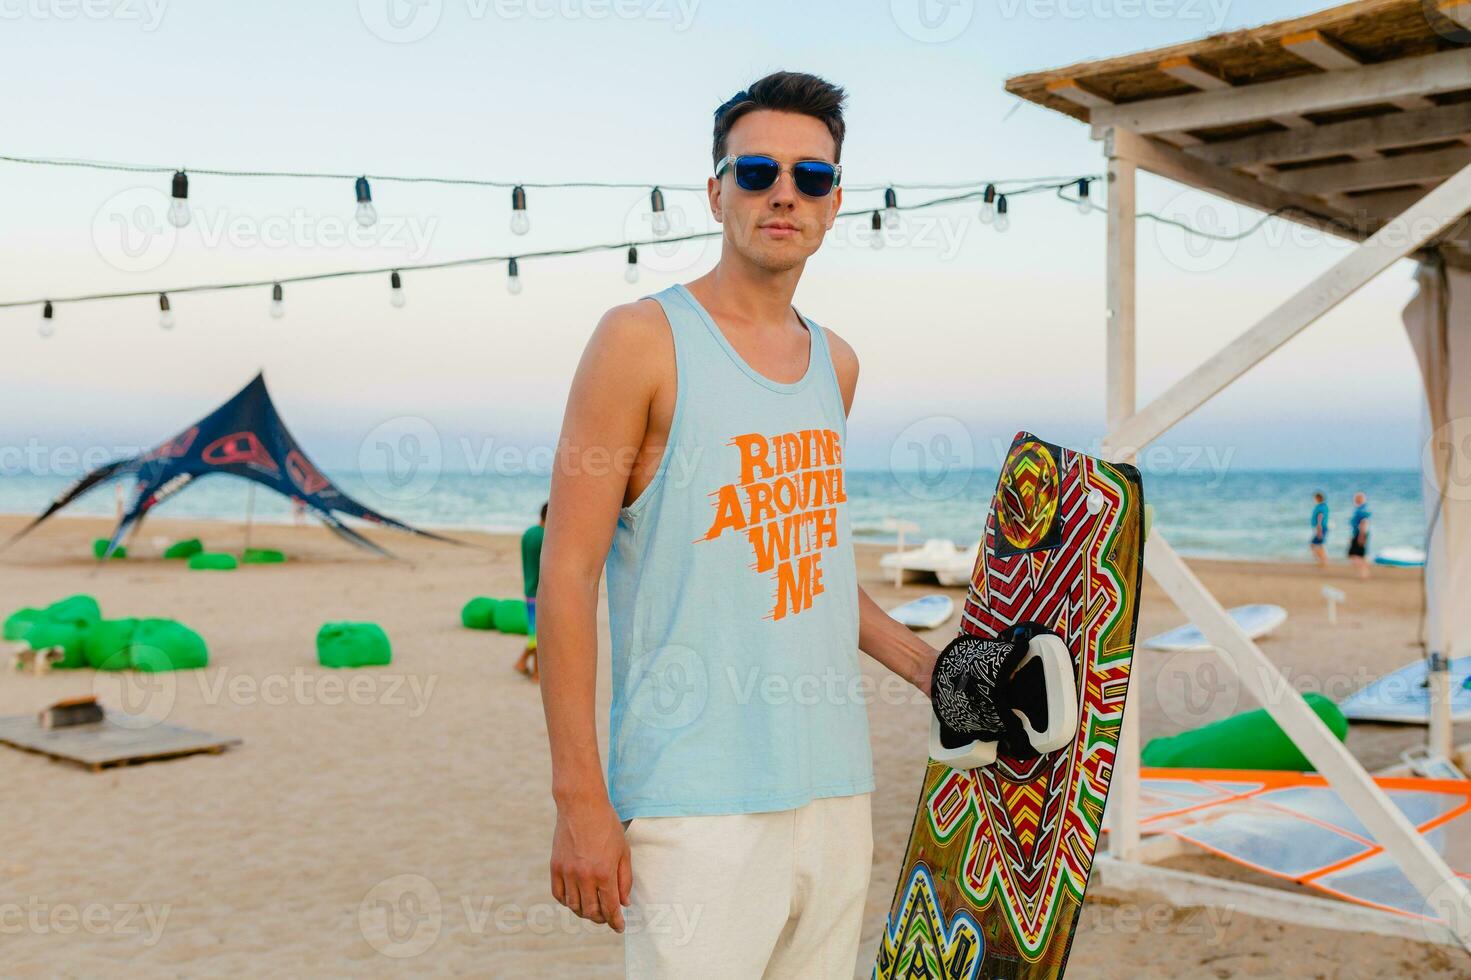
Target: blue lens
756,173
814,178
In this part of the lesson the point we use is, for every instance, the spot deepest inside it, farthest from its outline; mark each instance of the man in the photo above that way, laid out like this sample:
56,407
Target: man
701,456
1358,535
1320,528
530,579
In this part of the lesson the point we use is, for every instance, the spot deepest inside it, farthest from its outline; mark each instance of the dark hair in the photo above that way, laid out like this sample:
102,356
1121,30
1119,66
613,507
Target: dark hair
1319,496
785,91
543,513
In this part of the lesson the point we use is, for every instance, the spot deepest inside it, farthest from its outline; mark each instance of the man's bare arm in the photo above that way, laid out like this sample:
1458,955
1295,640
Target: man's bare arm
890,643
603,428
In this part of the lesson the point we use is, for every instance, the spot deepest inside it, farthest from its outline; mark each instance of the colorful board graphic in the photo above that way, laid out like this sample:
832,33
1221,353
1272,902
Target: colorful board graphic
999,857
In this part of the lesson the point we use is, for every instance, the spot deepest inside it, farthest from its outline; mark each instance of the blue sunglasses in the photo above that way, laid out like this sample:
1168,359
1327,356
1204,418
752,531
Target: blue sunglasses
757,172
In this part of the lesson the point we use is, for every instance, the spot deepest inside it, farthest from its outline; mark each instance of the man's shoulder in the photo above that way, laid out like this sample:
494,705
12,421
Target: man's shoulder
633,324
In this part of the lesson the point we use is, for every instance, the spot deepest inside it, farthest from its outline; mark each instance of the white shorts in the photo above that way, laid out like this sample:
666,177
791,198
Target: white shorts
749,895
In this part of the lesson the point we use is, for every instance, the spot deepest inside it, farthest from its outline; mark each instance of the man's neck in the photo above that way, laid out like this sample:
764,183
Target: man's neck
737,288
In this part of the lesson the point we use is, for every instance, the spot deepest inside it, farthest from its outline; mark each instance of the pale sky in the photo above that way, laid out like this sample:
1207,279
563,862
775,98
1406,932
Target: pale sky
997,331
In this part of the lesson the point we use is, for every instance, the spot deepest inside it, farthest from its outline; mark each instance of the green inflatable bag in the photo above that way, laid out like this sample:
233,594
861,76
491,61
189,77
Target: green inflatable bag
165,644
479,613
1250,740
99,548
187,548
213,561
107,644
18,622
353,645
81,611
263,556
510,616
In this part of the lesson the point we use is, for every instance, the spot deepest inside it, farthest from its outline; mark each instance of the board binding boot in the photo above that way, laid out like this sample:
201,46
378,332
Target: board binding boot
1015,694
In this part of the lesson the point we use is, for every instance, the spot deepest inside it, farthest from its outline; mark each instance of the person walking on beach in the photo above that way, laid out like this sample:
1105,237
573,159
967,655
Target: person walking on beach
701,456
1320,528
530,579
1358,535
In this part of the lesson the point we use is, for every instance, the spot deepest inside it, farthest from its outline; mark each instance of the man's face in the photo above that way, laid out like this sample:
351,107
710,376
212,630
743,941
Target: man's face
778,228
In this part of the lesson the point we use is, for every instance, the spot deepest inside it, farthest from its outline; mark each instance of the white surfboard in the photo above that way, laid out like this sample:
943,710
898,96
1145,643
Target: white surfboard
1400,557
925,613
1401,696
1257,619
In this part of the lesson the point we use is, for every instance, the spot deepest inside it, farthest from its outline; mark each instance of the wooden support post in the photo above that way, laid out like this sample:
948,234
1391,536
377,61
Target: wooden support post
1426,869
1119,356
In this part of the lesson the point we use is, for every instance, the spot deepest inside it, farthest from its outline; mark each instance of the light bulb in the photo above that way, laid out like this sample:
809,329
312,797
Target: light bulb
366,214
48,324
660,223
179,207
630,271
1084,205
876,233
396,292
988,204
165,312
278,303
891,209
513,278
520,221
1003,220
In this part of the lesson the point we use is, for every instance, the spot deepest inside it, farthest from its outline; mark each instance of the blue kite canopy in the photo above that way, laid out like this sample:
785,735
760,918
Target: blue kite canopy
243,437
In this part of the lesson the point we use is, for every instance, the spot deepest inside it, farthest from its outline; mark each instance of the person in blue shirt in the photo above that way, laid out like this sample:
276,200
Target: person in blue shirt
1358,535
1320,528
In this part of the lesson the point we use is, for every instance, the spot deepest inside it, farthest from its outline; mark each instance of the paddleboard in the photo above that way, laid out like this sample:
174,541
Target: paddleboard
1257,619
924,613
1402,697
999,856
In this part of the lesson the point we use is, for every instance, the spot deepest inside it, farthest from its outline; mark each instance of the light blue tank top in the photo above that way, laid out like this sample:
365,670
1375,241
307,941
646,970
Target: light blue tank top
733,597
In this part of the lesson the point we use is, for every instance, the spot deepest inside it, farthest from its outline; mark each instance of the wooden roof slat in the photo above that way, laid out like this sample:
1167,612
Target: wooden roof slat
1377,132
1384,172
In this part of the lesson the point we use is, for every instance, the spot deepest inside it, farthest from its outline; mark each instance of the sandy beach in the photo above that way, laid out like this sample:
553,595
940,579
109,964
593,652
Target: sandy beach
423,787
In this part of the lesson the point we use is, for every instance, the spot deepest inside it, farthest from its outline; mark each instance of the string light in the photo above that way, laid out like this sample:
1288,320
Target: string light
513,277
48,326
179,207
396,290
366,214
520,222
876,238
630,272
660,223
165,312
1084,205
278,302
891,208
1003,220
988,204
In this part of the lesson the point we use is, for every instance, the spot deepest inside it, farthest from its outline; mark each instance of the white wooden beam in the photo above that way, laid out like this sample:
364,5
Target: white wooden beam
1069,89
1425,75
1376,132
1395,171
1317,48
1193,73
1420,224
1120,392
1420,862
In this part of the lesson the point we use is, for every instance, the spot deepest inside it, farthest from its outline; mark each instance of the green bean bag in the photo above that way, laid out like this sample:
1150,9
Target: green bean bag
78,610
18,622
166,644
108,644
353,645
213,561
510,616
479,613
262,556
1250,740
187,548
99,548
